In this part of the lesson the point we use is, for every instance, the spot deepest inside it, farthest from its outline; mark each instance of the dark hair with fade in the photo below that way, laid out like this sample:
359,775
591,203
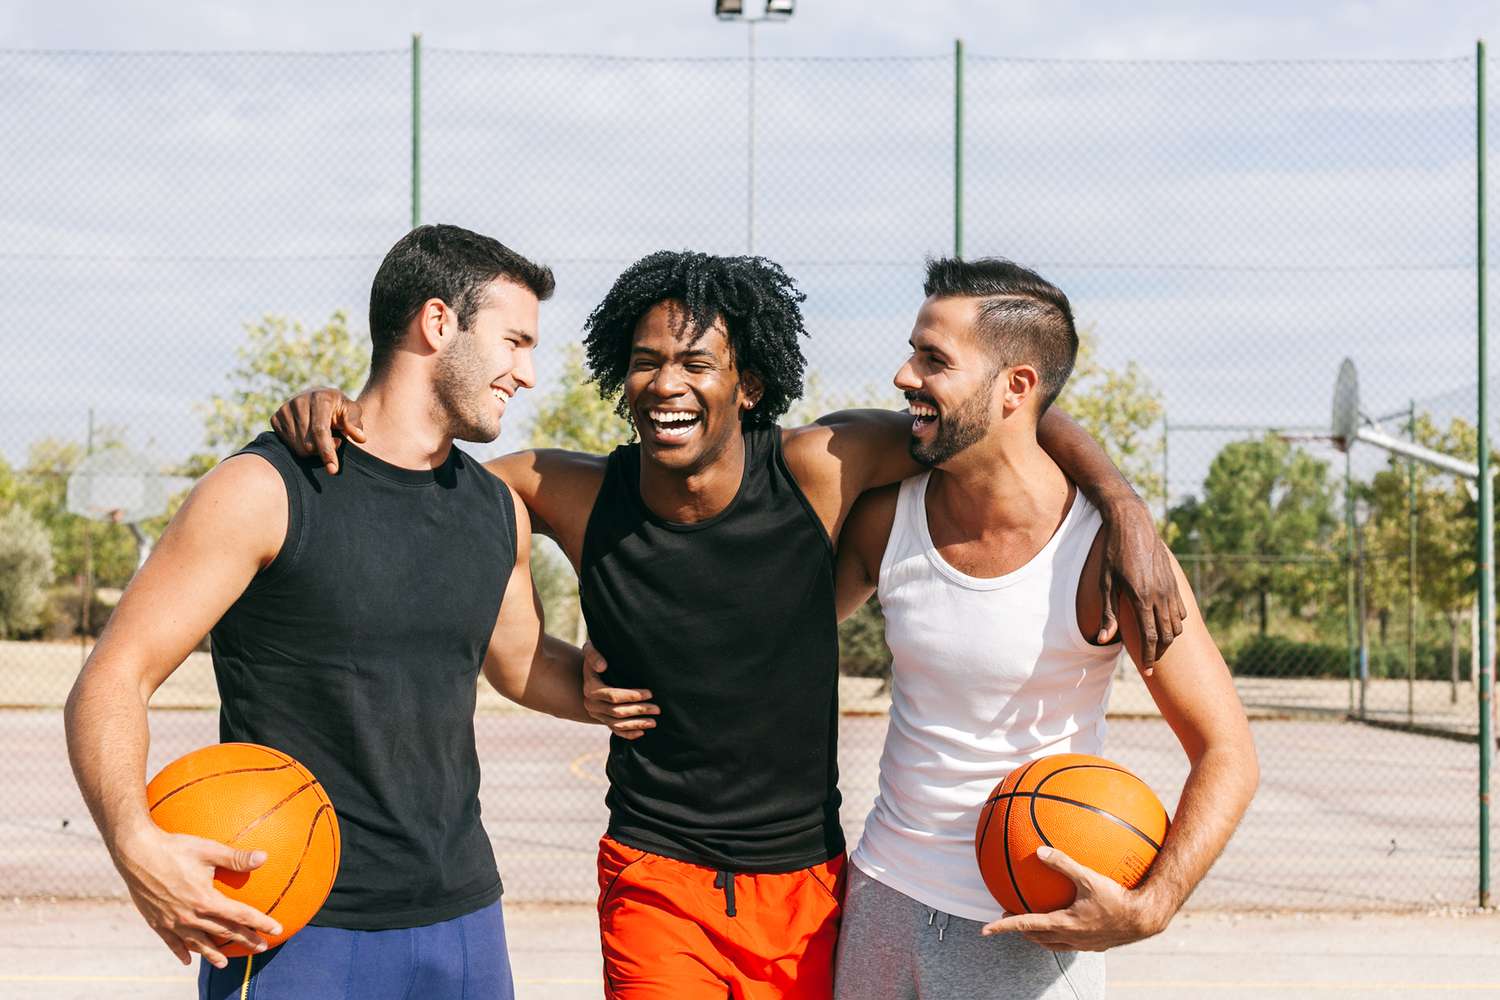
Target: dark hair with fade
1023,317
441,262
759,303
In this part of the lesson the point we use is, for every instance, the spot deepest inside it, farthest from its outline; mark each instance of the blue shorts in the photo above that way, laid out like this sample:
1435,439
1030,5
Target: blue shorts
460,959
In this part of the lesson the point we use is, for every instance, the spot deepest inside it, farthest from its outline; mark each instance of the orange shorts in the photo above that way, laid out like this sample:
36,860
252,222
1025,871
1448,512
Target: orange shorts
672,930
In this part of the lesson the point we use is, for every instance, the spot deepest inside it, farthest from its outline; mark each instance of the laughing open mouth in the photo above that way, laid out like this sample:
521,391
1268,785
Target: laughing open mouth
922,415
674,423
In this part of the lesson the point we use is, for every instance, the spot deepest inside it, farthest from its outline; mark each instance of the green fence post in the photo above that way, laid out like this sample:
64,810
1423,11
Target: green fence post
958,147
1349,613
416,130
1486,506
1411,573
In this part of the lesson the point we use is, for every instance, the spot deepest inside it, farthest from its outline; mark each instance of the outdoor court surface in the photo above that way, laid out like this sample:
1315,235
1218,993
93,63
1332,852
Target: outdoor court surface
1348,817
85,951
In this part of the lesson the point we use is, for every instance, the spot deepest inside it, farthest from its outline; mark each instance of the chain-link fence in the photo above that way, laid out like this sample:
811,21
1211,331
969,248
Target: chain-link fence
1227,233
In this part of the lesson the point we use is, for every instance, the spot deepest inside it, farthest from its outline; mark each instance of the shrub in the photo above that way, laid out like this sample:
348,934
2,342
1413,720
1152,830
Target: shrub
25,571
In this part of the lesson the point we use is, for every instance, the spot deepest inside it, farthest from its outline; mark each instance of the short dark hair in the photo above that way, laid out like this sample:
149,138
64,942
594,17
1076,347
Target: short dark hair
1023,317
759,303
441,262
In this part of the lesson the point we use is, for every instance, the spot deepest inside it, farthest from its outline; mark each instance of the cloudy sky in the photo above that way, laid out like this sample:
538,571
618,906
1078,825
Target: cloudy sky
1235,202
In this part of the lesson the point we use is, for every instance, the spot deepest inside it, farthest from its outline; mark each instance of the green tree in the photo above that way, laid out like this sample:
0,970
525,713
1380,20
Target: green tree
1122,409
25,570
281,359
1264,528
1447,523
42,489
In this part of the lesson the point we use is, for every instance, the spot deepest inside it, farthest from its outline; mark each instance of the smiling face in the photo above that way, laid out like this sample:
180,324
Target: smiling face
480,368
684,392
949,381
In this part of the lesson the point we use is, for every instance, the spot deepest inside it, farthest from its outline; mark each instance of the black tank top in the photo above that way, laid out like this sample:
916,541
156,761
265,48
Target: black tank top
357,651
731,624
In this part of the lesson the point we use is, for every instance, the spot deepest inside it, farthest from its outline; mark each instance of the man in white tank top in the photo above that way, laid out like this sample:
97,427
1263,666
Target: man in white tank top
991,588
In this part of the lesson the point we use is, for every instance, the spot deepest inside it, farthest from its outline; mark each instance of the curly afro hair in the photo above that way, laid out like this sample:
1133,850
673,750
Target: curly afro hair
758,301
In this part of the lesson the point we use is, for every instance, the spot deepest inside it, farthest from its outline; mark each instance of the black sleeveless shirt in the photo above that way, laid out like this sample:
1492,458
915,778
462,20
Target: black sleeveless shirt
731,624
358,650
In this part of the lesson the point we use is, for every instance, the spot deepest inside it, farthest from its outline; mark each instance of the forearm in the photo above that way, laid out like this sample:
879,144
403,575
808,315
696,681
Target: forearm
1083,460
1218,791
551,683
108,737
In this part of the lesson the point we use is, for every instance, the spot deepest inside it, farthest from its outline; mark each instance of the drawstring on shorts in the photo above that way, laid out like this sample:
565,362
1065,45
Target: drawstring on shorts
725,880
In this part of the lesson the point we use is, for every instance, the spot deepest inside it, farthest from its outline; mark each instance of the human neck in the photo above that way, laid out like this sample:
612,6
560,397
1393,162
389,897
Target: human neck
1003,483
689,496
400,425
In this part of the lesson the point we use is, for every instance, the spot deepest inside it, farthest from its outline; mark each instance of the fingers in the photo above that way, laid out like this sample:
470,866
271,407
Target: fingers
236,859
1166,629
632,729
620,696
227,932
199,941
1147,617
1108,624
320,432
174,943
243,919
350,423
592,660
1081,875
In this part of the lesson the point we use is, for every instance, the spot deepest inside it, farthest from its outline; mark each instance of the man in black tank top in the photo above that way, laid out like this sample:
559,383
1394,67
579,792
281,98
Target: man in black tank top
706,574
351,615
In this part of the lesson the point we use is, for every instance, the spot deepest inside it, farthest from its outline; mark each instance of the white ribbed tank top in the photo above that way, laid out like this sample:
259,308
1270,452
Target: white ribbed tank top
986,675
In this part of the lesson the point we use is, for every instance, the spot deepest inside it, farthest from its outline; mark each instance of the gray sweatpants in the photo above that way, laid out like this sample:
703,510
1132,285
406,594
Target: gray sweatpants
891,947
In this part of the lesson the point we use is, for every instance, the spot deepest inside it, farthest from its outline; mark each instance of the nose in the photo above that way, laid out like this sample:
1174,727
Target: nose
668,381
524,373
906,378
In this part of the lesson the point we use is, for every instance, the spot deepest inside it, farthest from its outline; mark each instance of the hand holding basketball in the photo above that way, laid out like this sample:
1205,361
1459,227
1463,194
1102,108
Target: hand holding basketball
171,881
1103,915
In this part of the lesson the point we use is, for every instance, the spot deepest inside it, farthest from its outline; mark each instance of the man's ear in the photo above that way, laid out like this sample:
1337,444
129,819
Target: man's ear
435,324
751,389
1020,384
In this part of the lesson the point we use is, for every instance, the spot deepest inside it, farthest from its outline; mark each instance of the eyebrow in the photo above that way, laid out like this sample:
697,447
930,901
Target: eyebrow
694,352
528,339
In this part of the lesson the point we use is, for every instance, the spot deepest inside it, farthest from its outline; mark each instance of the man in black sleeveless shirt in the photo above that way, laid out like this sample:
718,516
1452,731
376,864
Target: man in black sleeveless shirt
706,574
351,615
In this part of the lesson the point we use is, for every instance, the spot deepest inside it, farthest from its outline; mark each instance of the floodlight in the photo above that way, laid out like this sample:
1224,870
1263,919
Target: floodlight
780,8
728,10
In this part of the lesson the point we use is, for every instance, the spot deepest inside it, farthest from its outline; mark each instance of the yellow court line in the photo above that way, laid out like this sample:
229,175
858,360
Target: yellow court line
192,979
1327,987
576,768
98,979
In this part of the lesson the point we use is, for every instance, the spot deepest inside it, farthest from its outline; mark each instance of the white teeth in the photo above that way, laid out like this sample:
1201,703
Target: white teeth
673,416
922,410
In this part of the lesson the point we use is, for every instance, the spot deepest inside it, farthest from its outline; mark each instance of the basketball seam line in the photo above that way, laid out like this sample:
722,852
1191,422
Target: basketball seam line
1072,802
1079,767
261,818
216,774
1005,842
312,829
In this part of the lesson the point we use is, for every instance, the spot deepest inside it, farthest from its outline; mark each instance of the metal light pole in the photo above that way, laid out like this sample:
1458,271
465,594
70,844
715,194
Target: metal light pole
734,10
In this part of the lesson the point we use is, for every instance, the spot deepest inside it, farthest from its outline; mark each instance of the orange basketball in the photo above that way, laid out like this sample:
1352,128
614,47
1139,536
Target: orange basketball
1093,810
253,797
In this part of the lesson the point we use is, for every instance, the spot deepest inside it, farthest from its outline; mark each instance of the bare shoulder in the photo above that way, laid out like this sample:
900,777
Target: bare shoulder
553,471
558,488
241,502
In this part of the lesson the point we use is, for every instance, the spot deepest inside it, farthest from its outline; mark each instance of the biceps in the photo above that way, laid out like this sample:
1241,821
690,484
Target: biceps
192,578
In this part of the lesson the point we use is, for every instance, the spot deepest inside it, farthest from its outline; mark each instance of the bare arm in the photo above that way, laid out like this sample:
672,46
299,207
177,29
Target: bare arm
861,548
846,453
523,662
1197,699
1135,558
558,489
231,526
